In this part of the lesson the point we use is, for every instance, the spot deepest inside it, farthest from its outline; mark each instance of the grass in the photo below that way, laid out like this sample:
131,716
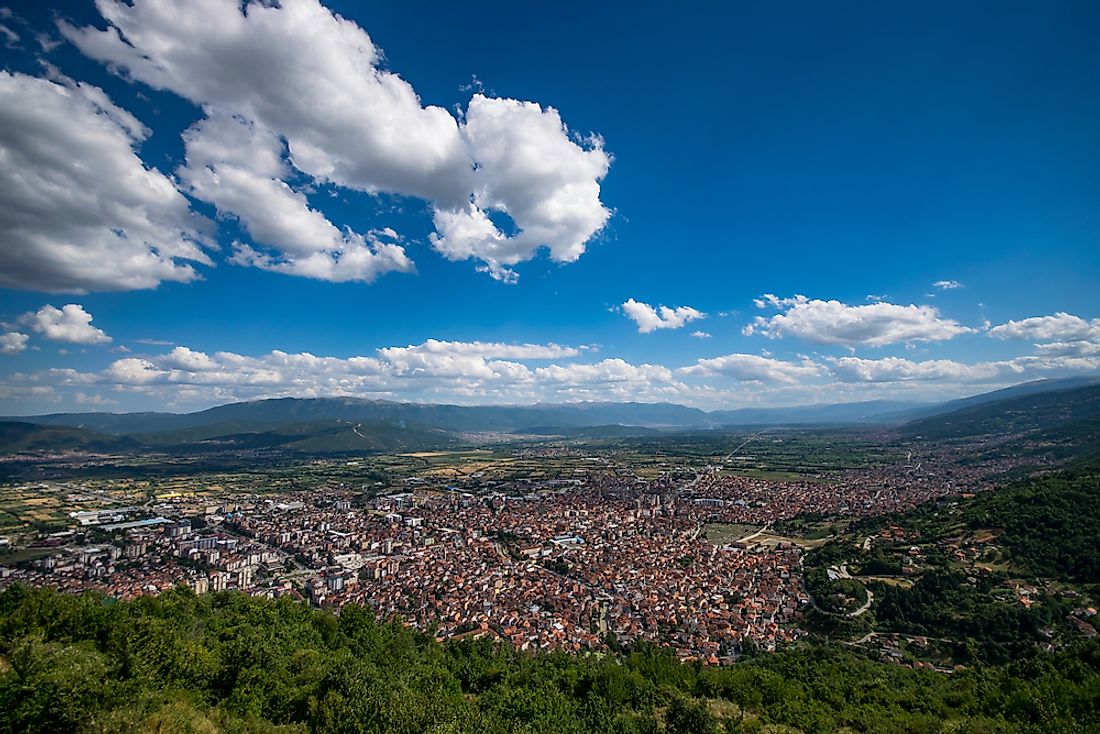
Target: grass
888,580
721,533
773,539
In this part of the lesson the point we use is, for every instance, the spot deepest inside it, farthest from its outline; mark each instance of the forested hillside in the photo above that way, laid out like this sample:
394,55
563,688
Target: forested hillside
230,663
18,437
1046,411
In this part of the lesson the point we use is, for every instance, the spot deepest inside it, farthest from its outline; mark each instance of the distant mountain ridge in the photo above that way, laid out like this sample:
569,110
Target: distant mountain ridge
1073,411
1024,388
322,437
268,414
870,411
354,424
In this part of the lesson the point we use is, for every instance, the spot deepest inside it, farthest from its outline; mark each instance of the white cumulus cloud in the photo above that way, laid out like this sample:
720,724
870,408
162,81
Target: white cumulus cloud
529,168
833,322
1059,327
469,360
239,168
79,210
433,370
1061,334
294,73
650,319
495,372
13,342
1076,348
754,368
70,323
898,369
1018,369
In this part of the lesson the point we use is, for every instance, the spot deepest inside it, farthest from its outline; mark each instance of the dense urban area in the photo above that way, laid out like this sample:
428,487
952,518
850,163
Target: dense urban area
483,543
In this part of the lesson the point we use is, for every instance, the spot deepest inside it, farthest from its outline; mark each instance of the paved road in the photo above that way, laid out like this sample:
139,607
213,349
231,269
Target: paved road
746,442
711,467
865,607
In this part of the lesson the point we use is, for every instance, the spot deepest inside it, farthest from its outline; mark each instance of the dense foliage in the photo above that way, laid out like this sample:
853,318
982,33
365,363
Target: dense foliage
226,662
946,604
838,596
1049,524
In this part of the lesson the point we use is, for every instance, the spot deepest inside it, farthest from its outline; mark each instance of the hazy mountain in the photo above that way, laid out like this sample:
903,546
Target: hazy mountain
615,430
865,412
313,438
262,416
636,414
1025,388
116,423
269,414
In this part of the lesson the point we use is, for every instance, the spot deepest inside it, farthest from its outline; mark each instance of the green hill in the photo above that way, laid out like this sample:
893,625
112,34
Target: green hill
1051,415
21,438
321,437
972,553
230,663
198,433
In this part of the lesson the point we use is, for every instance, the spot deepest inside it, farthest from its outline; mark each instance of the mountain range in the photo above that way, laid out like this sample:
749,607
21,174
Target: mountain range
338,425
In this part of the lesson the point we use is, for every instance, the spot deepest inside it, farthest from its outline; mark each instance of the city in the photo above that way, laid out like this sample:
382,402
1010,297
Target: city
602,558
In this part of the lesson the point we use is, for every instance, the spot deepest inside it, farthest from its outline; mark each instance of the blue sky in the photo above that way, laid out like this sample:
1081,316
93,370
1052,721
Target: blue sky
356,221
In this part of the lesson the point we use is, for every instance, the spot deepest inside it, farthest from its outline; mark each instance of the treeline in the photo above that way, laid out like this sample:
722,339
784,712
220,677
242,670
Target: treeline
229,663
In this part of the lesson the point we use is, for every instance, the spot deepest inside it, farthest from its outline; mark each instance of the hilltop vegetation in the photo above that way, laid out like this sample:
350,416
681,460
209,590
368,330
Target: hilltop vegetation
316,438
226,662
1049,525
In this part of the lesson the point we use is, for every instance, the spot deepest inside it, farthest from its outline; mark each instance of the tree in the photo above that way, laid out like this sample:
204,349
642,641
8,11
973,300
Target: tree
688,716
